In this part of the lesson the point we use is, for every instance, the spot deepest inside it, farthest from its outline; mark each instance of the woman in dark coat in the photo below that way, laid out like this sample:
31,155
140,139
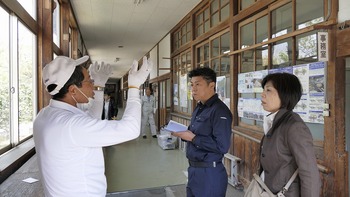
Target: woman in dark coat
287,144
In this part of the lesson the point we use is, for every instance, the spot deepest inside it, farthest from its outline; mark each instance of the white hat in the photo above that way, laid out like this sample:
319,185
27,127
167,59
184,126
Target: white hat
59,70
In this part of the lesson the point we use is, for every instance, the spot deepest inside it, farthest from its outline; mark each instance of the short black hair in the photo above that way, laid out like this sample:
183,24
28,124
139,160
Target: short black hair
288,87
207,73
76,79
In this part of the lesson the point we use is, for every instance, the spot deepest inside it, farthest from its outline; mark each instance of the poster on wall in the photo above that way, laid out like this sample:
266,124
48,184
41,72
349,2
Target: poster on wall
310,106
250,108
176,95
221,90
251,82
183,90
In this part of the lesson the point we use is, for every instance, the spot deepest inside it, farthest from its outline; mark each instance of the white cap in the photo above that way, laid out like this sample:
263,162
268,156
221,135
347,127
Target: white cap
59,70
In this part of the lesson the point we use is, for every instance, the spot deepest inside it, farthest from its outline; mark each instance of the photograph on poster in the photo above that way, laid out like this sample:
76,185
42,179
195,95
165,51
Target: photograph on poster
316,84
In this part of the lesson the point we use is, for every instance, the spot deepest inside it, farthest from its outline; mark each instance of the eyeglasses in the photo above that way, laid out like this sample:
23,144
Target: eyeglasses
91,81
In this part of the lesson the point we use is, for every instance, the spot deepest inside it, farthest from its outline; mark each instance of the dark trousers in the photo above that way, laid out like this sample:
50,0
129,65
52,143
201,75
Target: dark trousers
207,182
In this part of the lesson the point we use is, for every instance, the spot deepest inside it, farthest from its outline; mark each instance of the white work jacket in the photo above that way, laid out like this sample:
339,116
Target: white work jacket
69,143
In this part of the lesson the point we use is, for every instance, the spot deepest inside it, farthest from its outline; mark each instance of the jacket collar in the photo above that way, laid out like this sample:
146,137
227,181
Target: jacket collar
65,106
280,117
210,101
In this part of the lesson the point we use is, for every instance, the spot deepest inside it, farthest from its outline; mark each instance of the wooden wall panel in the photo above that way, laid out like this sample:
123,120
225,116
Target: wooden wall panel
343,42
248,151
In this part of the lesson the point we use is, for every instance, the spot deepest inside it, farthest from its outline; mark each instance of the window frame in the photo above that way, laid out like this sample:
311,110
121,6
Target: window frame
268,44
18,17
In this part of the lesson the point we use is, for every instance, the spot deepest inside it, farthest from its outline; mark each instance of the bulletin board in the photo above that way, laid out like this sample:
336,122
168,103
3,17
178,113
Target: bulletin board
310,107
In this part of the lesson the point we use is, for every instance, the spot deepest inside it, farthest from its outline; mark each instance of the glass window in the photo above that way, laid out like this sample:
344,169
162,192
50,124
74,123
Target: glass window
26,81
219,48
215,47
306,48
287,51
225,60
223,2
225,12
56,23
5,99
215,19
281,20
247,35
206,52
262,60
214,10
282,53
29,6
215,64
203,55
214,6
262,29
206,26
309,12
189,26
181,95
220,63
199,19
225,44
245,3
225,66
247,61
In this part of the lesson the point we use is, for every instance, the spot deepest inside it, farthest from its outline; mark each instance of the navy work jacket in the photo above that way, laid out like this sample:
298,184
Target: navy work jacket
211,123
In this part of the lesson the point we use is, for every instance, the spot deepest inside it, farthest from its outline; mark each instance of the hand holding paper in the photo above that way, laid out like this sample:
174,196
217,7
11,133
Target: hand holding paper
174,126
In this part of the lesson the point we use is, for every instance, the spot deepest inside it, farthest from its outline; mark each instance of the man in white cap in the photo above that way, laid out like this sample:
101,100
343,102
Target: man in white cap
69,134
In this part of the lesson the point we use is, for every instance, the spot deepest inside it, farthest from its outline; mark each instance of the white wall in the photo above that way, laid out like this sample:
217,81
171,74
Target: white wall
343,14
164,52
163,49
154,57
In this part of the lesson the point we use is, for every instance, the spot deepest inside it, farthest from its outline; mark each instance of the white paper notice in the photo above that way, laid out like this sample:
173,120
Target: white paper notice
30,180
174,126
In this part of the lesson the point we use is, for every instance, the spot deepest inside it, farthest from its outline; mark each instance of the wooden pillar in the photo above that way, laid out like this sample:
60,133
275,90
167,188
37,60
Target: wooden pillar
45,44
65,37
334,130
74,42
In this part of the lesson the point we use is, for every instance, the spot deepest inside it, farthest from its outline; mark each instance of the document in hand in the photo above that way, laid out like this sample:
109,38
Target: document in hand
174,126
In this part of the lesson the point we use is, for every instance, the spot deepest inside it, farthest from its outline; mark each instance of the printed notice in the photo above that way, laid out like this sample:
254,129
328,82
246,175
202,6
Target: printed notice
174,126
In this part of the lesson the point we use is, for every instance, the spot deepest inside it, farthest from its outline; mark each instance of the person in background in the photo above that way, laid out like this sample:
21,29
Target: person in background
208,137
287,144
69,133
110,109
148,113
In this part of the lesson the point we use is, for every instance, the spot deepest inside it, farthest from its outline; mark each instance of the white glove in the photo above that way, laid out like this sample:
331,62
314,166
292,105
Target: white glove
100,73
138,77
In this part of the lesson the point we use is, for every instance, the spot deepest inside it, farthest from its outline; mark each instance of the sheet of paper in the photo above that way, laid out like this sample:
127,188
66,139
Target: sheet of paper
174,126
30,180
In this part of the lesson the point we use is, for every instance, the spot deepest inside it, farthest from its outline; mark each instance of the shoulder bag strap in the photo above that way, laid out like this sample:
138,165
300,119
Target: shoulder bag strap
262,184
286,187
